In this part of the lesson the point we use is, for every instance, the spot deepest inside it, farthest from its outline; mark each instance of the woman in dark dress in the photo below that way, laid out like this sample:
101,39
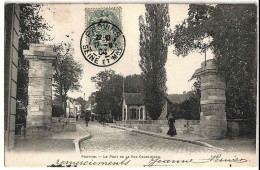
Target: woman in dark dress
172,130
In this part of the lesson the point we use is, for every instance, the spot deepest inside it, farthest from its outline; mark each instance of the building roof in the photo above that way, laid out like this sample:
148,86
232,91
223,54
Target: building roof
134,99
138,99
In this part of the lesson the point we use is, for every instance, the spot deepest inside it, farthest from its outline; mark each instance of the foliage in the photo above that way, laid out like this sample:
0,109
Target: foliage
92,101
189,109
109,96
154,41
21,113
91,98
67,72
233,31
174,109
133,84
102,78
33,29
57,111
191,106
20,119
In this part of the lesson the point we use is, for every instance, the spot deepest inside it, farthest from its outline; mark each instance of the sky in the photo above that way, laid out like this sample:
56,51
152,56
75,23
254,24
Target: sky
69,19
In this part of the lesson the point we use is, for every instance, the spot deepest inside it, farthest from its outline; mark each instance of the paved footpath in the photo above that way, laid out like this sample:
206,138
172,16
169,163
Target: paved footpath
58,142
112,140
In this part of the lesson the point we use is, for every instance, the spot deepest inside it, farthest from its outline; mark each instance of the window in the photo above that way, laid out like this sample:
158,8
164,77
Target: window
133,113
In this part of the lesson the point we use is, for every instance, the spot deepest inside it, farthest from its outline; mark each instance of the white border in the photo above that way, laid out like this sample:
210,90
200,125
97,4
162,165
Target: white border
114,1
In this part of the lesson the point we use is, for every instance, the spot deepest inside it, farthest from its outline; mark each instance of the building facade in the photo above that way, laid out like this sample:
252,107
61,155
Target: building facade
73,108
12,17
134,108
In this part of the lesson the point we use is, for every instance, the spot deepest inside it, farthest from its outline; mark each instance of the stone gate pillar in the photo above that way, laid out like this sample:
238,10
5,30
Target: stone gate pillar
39,115
213,122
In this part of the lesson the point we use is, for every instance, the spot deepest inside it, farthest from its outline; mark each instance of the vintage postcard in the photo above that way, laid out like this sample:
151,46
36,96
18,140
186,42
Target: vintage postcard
130,85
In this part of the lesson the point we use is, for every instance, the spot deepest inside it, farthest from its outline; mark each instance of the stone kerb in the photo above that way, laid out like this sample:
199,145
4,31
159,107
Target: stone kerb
40,74
213,122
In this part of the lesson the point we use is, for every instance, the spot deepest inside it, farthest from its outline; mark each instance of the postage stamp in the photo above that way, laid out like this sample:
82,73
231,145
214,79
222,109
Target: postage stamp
108,14
131,85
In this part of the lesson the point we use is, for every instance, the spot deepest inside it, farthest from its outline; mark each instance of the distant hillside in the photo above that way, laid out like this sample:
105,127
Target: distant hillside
178,98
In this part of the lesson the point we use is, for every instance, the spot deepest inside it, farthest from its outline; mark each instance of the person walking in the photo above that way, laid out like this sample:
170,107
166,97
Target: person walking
172,130
102,120
87,118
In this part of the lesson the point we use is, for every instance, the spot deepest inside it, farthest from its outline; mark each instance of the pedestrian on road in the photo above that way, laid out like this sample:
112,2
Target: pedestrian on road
87,118
102,120
171,121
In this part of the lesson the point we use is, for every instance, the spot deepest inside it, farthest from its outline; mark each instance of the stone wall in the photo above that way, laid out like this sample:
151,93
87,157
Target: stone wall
161,126
61,124
188,126
236,128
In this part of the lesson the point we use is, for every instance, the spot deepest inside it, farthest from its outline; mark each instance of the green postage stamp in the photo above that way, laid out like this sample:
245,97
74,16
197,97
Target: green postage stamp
112,15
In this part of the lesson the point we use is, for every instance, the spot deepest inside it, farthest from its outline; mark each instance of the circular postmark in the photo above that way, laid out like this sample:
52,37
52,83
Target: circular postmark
102,44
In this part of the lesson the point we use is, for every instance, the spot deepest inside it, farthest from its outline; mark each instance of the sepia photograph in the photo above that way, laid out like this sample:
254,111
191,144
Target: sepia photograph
158,85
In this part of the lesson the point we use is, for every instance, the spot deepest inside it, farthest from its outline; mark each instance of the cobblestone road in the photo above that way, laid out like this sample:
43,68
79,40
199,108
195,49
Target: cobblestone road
107,139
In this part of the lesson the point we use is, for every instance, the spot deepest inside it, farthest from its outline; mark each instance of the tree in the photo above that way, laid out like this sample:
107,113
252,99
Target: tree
233,30
91,98
33,29
102,78
92,101
190,108
154,41
67,72
109,96
133,84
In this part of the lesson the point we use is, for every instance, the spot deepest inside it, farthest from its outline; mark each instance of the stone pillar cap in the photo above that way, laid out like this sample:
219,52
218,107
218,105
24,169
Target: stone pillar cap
40,51
209,67
210,64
